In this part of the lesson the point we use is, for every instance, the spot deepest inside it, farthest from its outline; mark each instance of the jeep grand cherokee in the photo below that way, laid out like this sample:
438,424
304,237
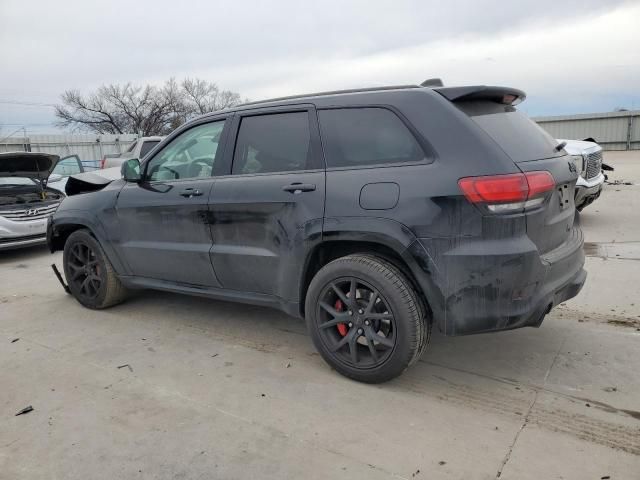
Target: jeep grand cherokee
372,214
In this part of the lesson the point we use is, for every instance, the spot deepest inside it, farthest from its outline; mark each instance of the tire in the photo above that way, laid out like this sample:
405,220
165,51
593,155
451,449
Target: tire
90,276
375,338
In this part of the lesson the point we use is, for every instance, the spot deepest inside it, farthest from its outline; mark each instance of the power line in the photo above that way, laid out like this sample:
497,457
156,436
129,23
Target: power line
26,124
27,104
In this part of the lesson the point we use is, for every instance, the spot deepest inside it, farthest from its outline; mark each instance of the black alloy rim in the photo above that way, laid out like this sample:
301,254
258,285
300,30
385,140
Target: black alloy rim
84,270
356,323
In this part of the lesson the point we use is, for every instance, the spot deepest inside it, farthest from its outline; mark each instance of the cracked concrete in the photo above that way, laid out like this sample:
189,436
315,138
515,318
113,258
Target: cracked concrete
219,390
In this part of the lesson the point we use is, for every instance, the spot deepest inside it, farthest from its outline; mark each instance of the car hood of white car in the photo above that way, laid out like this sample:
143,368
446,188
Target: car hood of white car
577,147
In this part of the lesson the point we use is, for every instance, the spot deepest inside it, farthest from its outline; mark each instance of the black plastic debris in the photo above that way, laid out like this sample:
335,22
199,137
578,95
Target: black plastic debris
126,365
15,340
25,410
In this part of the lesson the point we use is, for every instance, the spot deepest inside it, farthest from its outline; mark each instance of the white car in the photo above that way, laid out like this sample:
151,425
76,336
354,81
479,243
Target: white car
138,149
587,157
26,201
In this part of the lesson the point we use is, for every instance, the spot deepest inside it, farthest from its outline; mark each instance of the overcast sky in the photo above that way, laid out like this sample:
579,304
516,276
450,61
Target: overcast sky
569,56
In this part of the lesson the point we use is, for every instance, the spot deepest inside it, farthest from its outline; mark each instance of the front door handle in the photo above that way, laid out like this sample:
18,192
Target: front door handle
299,187
190,192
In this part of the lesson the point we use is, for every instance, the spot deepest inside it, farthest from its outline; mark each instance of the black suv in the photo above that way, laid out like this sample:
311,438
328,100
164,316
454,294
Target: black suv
370,213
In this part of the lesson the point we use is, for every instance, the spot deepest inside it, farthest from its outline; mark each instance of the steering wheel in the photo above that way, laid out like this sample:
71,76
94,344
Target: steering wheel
196,167
177,174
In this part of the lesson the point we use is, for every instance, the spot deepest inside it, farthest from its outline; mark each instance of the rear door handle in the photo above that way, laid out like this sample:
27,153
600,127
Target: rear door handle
299,187
190,192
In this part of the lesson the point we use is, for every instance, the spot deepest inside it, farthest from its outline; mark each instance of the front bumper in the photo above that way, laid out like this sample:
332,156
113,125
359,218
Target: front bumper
588,191
23,233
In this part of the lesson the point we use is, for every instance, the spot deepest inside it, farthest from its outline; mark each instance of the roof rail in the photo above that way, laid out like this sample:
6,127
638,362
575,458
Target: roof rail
331,92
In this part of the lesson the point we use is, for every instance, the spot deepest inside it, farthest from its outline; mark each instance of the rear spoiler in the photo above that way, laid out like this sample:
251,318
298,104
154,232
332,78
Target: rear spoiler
506,95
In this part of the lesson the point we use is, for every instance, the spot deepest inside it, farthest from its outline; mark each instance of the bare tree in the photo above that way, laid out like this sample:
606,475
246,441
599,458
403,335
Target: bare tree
148,110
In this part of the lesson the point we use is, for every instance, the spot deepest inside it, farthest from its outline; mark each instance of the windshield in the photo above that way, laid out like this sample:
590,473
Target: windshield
519,136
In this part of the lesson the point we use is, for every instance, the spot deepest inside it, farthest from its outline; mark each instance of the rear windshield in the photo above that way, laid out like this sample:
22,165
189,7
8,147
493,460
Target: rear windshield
519,136
147,146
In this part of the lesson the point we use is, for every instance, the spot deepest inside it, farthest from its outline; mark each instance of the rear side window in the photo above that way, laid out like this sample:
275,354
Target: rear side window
354,137
519,136
278,142
147,146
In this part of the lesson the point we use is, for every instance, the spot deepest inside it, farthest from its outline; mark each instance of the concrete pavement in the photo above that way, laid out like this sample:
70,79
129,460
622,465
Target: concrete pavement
173,387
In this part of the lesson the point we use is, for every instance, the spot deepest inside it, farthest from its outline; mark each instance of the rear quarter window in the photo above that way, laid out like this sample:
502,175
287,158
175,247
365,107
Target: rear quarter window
354,137
519,136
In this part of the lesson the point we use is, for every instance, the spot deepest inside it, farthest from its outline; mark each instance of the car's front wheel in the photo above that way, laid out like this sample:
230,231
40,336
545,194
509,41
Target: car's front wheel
365,318
90,276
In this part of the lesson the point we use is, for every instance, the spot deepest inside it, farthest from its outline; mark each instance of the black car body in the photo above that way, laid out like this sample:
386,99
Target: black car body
452,188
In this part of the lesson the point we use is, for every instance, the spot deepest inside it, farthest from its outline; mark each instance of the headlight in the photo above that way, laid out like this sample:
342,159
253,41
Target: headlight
578,161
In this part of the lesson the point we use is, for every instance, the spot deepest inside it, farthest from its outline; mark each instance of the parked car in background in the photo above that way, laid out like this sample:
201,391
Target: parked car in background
587,157
26,200
67,166
371,213
138,149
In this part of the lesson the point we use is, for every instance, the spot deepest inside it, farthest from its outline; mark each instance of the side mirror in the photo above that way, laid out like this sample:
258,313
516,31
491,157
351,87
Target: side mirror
130,170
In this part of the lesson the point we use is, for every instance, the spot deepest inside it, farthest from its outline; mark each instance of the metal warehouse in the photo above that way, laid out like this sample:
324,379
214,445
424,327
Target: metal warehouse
612,130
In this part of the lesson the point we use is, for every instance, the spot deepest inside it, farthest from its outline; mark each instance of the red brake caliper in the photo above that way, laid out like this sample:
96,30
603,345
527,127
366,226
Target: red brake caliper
342,327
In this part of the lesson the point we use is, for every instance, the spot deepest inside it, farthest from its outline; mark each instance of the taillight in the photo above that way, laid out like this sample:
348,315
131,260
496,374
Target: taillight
508,193
102,162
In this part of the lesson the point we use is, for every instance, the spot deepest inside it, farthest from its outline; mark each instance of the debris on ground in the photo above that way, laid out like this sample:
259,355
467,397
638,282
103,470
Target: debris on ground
126,365
25,410
442,462
215,355
15,340
415,473
619,182
288,365
610,389
624,322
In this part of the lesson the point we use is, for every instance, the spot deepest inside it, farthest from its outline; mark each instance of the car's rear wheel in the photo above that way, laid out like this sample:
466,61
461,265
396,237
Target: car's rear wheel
90,276
365,318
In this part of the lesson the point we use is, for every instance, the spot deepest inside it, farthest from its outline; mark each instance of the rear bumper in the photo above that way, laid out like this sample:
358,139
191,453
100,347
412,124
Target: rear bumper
487,286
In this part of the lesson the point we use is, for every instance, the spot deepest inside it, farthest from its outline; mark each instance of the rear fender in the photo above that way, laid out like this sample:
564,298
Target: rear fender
401,240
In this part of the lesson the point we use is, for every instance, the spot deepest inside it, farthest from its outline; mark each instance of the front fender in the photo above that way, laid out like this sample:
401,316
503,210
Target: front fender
94,211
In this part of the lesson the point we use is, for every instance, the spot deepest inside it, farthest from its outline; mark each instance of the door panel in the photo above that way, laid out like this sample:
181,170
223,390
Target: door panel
164,231
164,220
268,215
261,232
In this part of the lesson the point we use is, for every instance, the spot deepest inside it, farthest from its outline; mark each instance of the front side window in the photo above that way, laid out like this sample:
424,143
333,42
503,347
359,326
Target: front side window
189,155
278,142
355,137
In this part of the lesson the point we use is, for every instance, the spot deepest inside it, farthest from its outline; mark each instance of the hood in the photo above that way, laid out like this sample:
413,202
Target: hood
35,165
578,147
91,181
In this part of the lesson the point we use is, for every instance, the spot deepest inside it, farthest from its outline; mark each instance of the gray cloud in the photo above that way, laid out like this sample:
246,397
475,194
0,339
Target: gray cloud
274,48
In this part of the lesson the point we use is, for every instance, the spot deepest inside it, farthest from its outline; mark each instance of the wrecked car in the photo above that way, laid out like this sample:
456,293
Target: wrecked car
26,199
587,157
373,214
